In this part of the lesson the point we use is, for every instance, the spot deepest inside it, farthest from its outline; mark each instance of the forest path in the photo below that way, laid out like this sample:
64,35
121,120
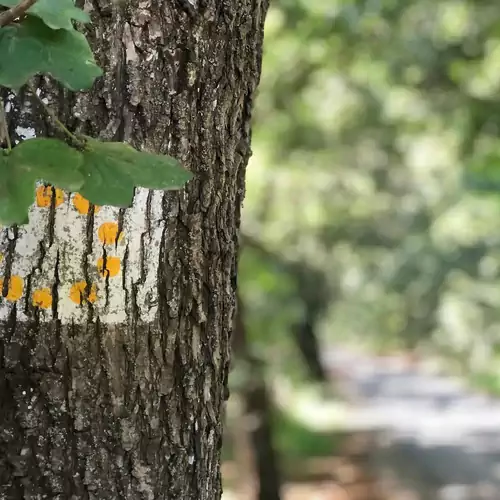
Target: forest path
440,439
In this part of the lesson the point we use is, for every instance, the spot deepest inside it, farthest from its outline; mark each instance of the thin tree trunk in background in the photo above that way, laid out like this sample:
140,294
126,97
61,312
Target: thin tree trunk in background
114,352
308,345
236,419
259,408
315,295
258,414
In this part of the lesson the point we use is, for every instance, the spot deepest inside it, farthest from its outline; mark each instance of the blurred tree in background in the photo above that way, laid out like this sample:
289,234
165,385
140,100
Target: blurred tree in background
371,215
370,113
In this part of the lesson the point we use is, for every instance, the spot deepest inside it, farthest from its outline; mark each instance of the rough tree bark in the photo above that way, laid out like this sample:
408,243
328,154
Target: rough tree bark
115,324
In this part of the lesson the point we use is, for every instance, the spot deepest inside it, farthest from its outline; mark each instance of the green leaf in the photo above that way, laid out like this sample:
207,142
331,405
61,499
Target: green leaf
104,184
56,14
113,169
50,160
17,192
31,48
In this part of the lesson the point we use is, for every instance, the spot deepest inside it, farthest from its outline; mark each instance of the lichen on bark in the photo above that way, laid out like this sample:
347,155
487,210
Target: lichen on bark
114,354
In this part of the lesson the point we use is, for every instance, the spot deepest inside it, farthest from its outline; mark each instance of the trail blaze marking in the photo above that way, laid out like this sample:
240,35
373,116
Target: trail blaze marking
108,233
44,196
111,269
83,205
16,286
78,293
42,298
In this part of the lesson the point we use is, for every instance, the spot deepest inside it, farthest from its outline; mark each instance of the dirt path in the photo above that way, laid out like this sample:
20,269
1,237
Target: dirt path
344,476
442,439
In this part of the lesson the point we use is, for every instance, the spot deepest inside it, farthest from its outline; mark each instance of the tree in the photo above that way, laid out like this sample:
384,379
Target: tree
115,323
258,406
386,214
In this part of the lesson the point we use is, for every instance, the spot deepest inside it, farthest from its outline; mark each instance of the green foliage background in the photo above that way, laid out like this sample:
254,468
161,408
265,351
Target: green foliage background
377,165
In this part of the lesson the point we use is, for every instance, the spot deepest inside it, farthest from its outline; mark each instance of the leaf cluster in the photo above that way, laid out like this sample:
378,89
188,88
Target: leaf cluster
105,173
43,39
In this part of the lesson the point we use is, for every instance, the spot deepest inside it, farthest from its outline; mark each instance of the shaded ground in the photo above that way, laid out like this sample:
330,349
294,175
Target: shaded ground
443,438
436,438
345,475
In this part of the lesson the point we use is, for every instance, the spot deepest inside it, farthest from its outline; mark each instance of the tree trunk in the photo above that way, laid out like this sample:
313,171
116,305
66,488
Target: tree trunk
308,344
257,413
315,294
115,324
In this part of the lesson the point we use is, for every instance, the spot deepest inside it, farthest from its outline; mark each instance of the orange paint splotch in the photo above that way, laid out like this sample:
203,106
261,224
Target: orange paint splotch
109,268
79,293
15,288
109,234
92,296
42,298
83,205
44,196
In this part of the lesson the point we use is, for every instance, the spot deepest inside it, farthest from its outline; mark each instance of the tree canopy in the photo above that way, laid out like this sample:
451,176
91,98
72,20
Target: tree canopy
376,161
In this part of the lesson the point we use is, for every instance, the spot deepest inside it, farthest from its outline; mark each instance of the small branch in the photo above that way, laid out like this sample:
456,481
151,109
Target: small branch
60,125
15,12
4,129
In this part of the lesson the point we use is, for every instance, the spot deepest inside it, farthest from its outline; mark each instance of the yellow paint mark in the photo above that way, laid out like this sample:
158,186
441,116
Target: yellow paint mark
1,257
83,205
112,267
93,294
78,293
42,298
15,290
108,233
44,196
